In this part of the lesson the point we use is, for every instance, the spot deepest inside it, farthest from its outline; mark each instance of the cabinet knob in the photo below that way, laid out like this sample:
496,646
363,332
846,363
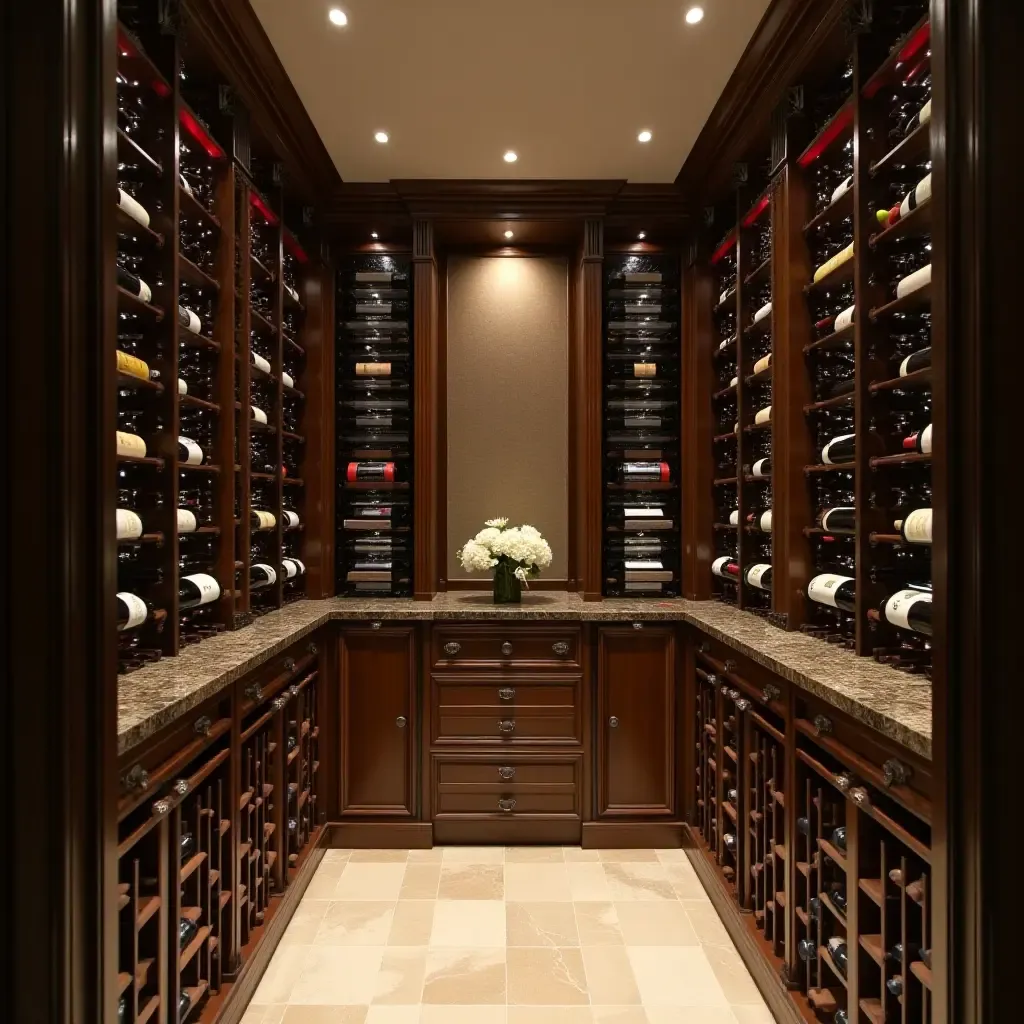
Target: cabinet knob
613,722
506,648
137,778
561,648
638,625
507,693
254,691
822,725
895,773
770,693
507,805
452,648
202,726
506,772
374,625
506,725
400,721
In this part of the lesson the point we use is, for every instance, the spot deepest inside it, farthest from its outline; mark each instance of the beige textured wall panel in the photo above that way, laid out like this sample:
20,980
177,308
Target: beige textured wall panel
508,449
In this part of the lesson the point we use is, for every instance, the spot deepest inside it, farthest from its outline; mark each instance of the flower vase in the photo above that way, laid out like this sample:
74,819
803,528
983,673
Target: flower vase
507,588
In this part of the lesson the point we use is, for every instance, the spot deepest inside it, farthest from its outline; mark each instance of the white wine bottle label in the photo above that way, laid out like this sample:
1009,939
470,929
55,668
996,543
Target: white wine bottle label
373,369
763,415
822,589
643,513
187,521
645,369
763,363
291,519
130,445
291,570
386,421
300,566
917,527
897,608
134,285
192,454
912,282
258,414
845,318
924,115
182,387
734,517
725,343
756,573
839,518
264,520
129,524
384,308
132,207
185,185
763,312
287,380
728,291
209,588
925,440
736,427
843,188
137,610
734,382
292,292
917,195
766,521
373,276
260,363
268,569
644,564
132,365
837,261
762,468
718,566
189,320
651,277
831,454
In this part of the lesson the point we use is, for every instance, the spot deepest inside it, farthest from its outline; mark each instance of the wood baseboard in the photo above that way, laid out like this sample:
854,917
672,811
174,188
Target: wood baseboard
381,835
770,984
522,830
632,835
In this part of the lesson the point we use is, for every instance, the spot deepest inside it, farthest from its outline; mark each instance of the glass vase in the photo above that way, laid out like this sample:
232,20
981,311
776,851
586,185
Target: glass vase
507,589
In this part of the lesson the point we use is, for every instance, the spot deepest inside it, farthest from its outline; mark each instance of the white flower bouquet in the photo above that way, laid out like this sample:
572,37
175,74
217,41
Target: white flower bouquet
515,553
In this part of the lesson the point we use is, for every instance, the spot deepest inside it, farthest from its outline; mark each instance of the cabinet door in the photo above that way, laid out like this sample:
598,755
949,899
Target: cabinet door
378,702
636,727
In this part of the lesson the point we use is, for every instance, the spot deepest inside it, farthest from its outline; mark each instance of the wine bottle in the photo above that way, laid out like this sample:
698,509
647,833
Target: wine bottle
896,953
837,950
762,469
806,950
132,611
918,360
836,591
844,319
725,567
197,589
834,263
259,362
838,898
370,471
919,194
841,519
122,1010
653,471
843,187
293,568
188,320
133,208
189,453
134,285
760,576
729,841
258,415
919,441
764,311
916,528
184,1005
895,985
287,380
762,364
734,796
130,445
129,524
763,415
912,282
910,609
260,519
261,575
839,450
187,931
186,846
839,838
291,519
761,520
841,1017
803,826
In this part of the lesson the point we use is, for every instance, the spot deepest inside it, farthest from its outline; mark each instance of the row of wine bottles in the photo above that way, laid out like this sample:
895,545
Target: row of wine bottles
130,524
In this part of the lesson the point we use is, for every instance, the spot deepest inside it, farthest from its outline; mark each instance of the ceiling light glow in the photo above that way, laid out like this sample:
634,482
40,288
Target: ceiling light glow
508,234
644,136
373,234
694,14
337,17
511,156
642,235
381,137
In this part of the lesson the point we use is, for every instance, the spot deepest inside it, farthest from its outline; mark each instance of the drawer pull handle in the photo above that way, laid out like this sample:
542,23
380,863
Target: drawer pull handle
638,625
895,773
452,648
507,693
822,725
506,725
400,721
506,772
770,693
374,625
561,648
507,805
506,648
613,722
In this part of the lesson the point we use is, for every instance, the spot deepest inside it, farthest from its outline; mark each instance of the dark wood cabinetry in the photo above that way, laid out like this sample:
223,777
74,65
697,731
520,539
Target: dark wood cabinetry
377,675
636,721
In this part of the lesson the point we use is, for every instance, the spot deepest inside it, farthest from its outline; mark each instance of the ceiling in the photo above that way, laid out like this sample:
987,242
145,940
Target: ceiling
567,84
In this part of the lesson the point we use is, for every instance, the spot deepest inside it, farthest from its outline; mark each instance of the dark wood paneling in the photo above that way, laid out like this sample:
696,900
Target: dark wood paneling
589,413
630,835
636,722
377,731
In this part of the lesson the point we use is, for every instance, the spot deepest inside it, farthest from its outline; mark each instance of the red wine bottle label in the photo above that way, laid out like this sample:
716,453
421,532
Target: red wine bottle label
898,607
300,566
840,449
133,208
725,567
924,115
844,319
263,520
834,263
130,445
917,195
260,363
762,468
132,365
841,519
917,527
134,607
189,452
912,282
370,471
208,587
373,369
764,311
644,563
187,521
759,575
822,589
129,524
916,361
645,369
643,513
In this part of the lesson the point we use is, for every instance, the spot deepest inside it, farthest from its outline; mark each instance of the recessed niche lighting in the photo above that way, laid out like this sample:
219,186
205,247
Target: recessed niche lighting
644,136
381,137
337,17
508,234
694,14
373,234
642,235
511,156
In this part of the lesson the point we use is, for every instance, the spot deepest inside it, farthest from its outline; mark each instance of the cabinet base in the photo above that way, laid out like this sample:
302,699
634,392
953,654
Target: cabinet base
633,835
518,831
381,835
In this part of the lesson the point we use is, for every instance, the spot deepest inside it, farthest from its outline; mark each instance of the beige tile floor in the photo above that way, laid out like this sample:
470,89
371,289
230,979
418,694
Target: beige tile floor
516,935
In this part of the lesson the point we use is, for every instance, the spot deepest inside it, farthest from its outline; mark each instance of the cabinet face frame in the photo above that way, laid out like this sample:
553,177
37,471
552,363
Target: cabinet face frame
606,707
407,808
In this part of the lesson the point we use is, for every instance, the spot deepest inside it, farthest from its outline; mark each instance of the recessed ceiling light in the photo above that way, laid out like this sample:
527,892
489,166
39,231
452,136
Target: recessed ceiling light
694,14
642,235
381,136
338,17
508,234
511,156
373,234
644,136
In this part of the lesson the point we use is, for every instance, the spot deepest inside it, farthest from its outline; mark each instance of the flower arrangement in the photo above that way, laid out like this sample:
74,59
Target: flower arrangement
515,553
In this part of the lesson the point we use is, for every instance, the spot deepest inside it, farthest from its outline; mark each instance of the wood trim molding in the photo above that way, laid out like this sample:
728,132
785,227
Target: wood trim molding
590,409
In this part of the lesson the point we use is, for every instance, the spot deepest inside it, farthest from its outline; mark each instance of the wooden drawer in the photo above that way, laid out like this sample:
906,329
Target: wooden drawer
508,785
506,647
505,693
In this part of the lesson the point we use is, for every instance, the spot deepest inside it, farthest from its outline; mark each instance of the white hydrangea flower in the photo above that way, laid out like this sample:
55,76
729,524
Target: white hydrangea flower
476,558
488,536
500,523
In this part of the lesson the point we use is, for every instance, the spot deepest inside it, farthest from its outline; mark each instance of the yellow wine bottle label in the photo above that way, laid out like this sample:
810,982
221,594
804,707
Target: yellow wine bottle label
763,363
837,261
130,445
645,369
132,365
373,369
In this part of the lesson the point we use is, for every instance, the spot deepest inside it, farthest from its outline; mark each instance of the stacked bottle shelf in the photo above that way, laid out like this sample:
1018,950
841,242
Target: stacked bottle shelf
642,426
374,427
302,764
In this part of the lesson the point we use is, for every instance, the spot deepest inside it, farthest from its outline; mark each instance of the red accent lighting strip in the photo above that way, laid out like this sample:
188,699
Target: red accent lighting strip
200,134
759,207
829,134
256,201
729,242
294,248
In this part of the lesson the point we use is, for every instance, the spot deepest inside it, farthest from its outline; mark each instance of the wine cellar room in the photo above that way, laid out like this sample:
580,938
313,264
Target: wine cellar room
504,518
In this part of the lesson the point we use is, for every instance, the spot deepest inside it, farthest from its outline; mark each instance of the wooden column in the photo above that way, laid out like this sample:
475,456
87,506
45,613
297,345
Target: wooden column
426,462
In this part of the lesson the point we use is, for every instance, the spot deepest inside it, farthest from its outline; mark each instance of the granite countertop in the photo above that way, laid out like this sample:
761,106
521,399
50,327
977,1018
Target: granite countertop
893,704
